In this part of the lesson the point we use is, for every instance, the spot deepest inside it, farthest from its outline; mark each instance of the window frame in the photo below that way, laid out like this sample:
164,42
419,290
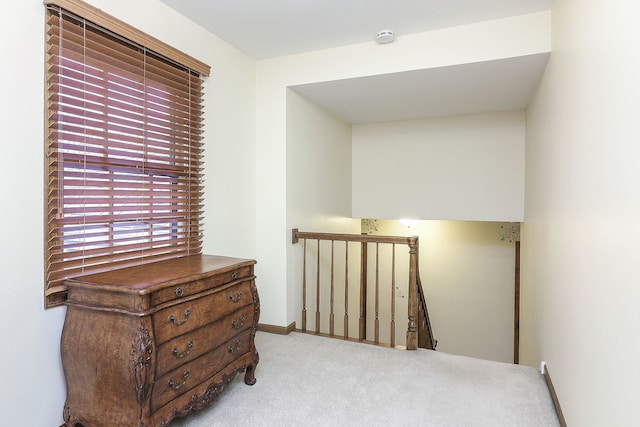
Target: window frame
169,173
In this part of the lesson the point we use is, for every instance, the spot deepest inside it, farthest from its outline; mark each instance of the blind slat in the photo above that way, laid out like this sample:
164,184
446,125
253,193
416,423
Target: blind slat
98,96
90,230
83,256
179,146
124,113
113,261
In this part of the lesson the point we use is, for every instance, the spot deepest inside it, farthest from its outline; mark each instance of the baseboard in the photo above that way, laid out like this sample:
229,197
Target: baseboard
280,330
554,396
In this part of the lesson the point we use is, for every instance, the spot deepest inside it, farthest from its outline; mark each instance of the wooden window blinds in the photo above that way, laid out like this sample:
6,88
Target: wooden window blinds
123,171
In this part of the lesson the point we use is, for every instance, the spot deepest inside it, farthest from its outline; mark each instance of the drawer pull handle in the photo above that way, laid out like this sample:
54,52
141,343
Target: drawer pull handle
235,299
181,355
235,350
173,320
184,381
234,275
236,325
179,292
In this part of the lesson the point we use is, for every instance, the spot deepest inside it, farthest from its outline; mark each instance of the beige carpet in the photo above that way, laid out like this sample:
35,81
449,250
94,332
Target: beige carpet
306,380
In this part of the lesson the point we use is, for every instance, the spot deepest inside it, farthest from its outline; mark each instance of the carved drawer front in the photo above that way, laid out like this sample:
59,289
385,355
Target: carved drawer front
182,379
194,344
184,290
189,315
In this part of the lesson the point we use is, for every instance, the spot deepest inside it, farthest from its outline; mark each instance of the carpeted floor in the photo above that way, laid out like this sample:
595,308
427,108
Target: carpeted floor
306,380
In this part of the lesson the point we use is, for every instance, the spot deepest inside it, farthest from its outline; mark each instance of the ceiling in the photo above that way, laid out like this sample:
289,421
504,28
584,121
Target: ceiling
481,87
268,28
264,29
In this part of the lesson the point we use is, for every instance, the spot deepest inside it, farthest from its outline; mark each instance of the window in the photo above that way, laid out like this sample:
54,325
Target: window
123,172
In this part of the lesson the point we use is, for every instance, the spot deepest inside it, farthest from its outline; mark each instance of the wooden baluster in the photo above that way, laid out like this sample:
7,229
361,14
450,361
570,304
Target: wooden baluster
516,317
392,332
304,286
412,333
376,325
416,310
363,293
332,294
318,290
346,290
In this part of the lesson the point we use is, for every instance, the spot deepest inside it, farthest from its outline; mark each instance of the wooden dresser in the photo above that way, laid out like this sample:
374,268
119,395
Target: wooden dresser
143,345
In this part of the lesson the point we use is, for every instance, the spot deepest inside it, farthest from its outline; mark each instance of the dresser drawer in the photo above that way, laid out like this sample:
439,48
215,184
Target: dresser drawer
190,315
194,344
182,379
178,292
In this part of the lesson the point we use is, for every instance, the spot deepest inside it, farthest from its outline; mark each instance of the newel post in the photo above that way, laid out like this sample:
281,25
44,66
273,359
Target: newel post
412,330
362,322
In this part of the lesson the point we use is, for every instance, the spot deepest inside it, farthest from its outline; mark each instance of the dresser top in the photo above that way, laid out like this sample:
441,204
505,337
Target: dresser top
151,277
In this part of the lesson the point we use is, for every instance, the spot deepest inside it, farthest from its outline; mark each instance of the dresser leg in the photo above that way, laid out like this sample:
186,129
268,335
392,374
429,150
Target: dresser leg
249,377
249,373
66,415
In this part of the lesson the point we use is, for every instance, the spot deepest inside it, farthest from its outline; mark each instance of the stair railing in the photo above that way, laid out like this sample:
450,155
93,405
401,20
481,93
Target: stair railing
419,332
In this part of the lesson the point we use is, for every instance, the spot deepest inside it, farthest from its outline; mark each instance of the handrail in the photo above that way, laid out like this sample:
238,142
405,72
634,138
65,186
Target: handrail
363,238
425,333
419,333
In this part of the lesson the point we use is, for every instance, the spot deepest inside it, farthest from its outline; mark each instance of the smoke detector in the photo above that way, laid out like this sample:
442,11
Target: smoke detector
385,36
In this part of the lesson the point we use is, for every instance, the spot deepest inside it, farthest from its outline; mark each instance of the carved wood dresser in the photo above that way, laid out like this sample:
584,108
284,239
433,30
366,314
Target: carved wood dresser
143,345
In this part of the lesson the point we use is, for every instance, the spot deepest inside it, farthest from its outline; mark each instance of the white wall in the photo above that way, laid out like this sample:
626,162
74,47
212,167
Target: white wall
318,184
34,389
580,239
503,38
30,358
456,168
